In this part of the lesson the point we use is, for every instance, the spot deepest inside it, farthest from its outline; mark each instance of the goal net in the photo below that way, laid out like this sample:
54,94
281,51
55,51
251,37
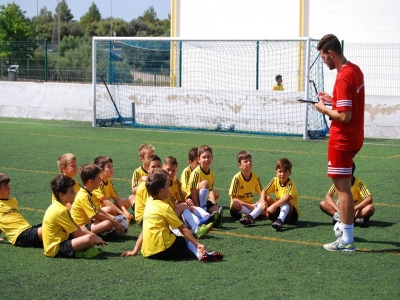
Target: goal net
221,85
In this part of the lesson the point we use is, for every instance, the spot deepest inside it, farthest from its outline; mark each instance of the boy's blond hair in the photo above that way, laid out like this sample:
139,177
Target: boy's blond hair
143,149
170,161
284,163
65,159
4,179
202,149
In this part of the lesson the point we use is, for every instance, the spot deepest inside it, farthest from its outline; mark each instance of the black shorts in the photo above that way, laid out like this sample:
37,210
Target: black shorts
290,218
89,226
235,214
178,250
209,204
66,250
30,238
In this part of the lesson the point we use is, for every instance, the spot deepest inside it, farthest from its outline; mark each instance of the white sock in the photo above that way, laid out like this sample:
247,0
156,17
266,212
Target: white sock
175,231
203,195
245,210
348,233
201,213
192,248
257,211
284,211
189,218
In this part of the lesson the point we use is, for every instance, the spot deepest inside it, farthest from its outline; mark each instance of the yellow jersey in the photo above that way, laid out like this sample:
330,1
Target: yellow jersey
84,208
288,189
12,223
141,199
359,191
56,227
137,174
157,237
244,189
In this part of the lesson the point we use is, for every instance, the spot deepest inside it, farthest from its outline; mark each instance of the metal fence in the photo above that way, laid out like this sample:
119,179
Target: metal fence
380,64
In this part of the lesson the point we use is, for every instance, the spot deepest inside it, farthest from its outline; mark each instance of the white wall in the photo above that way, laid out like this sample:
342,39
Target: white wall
74,102
366,21
54,101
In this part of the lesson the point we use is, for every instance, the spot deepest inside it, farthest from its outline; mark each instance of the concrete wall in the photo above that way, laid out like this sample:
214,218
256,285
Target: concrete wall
74,102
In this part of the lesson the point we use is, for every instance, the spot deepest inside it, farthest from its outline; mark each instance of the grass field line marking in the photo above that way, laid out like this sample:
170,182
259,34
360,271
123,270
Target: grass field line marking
32,209
27,170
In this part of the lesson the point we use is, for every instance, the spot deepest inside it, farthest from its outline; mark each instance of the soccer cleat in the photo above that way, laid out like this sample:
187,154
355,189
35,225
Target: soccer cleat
89,253
339,245
359,221
277,224
212,257
247,220
336,216
207,220
218,222
202,230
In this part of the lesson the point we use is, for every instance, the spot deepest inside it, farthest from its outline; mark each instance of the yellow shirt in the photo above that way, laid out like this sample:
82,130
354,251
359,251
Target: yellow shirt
157,237
141,199
84,208
56,227
359,191
244,189
12,223
185,179
105,190
77,187
289,189
198,175
176,194
137,174
277,87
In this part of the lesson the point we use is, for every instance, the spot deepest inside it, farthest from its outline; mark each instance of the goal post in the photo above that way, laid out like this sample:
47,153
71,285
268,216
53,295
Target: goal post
220,85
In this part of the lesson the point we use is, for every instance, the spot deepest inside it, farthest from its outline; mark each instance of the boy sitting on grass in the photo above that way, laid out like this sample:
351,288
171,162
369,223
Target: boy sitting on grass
158,241
106,191
16,228
243,187
285,209
85,210
61,236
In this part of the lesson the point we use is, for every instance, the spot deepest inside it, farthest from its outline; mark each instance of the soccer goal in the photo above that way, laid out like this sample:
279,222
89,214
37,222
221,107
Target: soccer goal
220,85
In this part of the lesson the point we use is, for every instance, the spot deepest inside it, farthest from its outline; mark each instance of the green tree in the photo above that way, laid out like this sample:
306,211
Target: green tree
65,12
15,28
93,15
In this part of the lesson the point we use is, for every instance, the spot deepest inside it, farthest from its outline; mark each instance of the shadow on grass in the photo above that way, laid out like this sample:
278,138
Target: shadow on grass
392,243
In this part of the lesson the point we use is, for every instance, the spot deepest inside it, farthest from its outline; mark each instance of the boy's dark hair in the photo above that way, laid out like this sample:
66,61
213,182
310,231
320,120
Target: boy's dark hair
277,77
60,184
151,158
243,155
284,163
329,42
101,161
170,161
4,179
193,154
156,181
89,172
202,149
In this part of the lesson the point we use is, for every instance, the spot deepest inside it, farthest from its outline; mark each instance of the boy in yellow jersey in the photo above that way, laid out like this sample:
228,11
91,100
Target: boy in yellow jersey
152,162
193,163
285,209
196,218
68,165
363,206
85,210
243,187
139,175
61,236
106,191
158,241
279,85
16,228
201,184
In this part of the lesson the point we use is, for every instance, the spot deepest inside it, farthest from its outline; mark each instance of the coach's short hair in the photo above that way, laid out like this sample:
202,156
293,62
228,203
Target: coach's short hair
329,42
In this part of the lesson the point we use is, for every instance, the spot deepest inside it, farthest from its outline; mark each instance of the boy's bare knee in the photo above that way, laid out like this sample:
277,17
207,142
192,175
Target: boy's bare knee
204,185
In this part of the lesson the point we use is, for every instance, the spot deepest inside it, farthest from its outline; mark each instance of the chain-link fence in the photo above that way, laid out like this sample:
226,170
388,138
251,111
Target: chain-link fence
380,64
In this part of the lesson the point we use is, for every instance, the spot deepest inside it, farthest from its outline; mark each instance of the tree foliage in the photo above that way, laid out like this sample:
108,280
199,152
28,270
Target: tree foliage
93,15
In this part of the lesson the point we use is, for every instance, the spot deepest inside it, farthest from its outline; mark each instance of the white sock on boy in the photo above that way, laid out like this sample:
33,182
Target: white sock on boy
284,211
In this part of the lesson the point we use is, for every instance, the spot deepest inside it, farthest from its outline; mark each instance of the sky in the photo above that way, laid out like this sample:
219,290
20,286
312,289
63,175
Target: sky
123,9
